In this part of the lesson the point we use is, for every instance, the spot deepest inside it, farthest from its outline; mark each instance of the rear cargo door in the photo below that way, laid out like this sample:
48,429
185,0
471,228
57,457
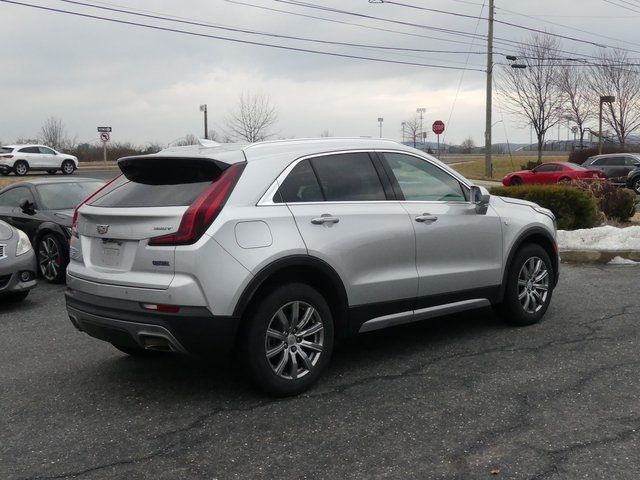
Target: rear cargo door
149,201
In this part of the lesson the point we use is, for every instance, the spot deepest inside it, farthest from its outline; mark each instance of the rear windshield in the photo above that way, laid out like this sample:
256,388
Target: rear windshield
67,195
6,149
160,182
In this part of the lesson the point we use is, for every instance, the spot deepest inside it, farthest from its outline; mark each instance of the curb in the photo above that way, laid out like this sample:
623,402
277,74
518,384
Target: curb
597,256
109,166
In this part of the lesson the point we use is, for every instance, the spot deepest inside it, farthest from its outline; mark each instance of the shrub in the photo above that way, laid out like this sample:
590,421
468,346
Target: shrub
530,165
573,207
614,202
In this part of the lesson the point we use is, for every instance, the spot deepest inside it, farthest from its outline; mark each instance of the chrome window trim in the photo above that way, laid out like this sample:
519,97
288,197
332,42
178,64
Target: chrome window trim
267,197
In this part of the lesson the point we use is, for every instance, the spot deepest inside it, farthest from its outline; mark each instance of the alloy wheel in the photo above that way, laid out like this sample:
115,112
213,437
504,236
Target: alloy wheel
533,284
636,186
21,168
294,340
49,258
68,168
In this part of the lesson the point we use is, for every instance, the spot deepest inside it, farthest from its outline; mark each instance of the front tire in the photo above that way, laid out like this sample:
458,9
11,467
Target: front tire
515,181
68,167
288,340
636,185
20,168
52,258
528,288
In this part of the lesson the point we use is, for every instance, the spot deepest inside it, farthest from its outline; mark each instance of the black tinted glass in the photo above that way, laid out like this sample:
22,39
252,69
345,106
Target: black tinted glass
65,196
13,197
348,177
301,185
30,150
6,149
132,194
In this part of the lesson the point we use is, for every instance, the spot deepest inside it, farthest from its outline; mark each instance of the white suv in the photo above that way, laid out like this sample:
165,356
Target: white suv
276,249
19,159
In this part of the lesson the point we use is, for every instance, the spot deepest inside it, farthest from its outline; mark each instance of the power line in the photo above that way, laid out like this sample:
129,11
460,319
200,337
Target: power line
163,17
622,6
234,40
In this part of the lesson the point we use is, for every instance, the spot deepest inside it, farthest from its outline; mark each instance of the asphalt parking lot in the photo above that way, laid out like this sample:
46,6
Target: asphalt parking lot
461,397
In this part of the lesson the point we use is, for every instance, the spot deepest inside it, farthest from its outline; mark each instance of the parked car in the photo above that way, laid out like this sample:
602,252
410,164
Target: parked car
633,180
19,159
561,172
43,208
615,166
275,249
17,264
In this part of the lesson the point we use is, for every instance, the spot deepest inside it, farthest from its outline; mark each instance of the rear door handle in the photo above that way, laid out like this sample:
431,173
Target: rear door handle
426,217
324,218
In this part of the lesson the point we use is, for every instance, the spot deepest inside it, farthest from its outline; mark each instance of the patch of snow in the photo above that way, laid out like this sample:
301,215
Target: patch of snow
622,261
605,238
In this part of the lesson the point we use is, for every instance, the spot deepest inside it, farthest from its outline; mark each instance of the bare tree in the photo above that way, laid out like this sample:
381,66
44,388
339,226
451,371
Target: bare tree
578,106
615,74
325,134
253,118
468,145
52,133
412,129
532,93
188,139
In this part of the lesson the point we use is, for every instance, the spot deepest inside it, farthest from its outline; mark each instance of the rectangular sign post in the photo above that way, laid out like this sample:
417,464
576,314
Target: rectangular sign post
104,137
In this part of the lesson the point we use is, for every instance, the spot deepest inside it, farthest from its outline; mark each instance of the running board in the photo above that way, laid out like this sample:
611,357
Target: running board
422,314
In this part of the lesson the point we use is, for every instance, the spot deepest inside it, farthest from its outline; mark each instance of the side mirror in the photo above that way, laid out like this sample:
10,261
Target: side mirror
480,197
27,207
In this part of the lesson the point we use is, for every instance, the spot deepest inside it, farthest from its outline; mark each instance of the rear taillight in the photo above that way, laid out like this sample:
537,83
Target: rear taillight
6,156
74,221
203,211
161,308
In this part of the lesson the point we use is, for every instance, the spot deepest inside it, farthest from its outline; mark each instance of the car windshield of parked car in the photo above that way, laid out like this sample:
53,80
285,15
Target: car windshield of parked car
67,195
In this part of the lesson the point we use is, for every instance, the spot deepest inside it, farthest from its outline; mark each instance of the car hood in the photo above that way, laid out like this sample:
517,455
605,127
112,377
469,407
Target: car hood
6,232
517,201
519,172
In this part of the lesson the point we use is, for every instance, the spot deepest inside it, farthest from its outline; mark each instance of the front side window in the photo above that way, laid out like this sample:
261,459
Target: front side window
46,151
547,167
348,177
422,181
13,197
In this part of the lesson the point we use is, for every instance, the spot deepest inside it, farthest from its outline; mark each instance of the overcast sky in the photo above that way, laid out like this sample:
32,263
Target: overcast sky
148,84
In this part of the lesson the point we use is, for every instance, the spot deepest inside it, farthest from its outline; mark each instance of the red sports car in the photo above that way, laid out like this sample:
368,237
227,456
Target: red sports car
552,173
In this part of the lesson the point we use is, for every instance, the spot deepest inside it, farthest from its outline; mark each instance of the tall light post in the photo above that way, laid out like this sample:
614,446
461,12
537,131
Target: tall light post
421,111
603,99
404,124
380,120
488,166
203,108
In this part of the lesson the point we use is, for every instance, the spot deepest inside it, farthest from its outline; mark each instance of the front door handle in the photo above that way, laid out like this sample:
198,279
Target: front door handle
324,218
426,217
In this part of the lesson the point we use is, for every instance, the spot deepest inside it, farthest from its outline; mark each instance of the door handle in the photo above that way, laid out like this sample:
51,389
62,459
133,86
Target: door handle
324,218
426,217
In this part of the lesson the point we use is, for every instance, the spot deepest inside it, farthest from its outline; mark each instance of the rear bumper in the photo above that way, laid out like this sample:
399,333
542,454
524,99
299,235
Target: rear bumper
194,330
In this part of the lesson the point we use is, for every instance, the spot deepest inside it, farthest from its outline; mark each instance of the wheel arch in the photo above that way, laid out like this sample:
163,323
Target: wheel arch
303,269
49,227
538,236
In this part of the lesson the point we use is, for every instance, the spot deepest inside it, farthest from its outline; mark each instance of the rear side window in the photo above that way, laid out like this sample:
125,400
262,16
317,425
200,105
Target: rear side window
160,182
348,177
29,150
301,185
6,149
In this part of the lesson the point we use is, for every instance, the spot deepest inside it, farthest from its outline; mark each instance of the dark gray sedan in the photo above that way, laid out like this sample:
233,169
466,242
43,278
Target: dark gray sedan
17,264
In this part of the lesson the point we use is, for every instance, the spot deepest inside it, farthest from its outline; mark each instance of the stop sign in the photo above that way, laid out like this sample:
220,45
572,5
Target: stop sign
438,127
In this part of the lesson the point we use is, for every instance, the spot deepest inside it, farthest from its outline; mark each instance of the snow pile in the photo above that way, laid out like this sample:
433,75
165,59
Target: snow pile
605,238
622,261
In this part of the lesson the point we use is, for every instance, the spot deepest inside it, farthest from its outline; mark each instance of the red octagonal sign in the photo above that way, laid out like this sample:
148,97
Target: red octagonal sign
438,127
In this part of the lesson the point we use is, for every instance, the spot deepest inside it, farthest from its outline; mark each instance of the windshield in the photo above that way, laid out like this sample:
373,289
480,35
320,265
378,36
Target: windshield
67,195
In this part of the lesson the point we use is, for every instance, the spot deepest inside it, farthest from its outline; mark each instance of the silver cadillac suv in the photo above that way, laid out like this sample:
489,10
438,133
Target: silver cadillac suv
276,249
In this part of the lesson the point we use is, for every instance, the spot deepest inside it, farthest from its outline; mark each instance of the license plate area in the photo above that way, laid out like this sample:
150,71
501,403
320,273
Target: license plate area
111,252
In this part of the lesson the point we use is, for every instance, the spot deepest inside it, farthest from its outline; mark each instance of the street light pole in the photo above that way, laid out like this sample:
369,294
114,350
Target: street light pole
603,99
488,167
203,108
380,120
421,111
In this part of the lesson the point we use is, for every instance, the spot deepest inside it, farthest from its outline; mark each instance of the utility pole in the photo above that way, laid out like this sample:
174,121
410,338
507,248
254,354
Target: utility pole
203,108
421,111
380,120
404,124
488,167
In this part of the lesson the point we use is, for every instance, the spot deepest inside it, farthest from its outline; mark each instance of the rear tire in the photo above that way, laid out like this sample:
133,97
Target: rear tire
516,181
636,185
68,167
14,297
20,168
528,288
288,340
564,180
52,258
